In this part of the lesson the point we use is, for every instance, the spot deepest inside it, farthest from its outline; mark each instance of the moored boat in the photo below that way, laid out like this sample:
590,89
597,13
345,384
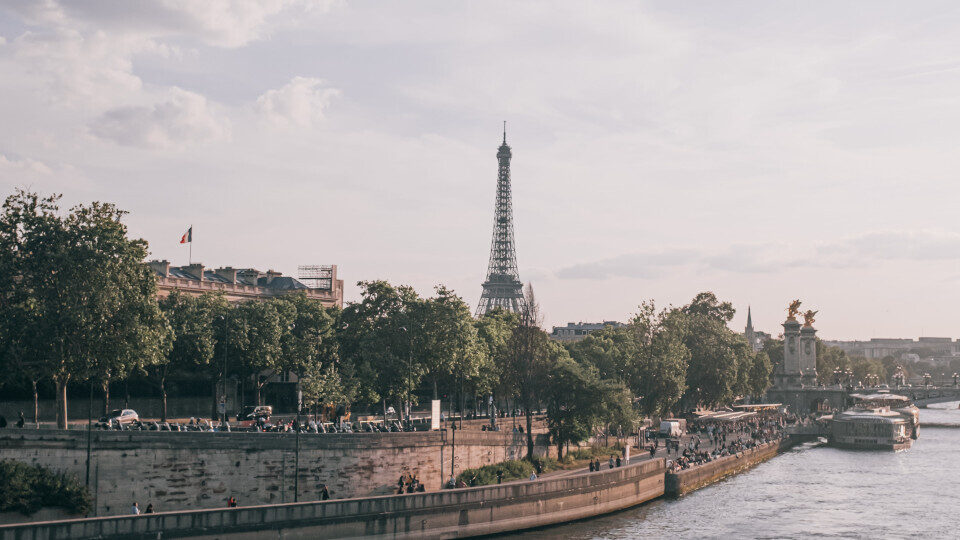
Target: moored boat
876,422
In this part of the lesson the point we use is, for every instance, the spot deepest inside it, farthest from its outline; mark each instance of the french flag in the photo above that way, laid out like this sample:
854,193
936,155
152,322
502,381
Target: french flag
187,236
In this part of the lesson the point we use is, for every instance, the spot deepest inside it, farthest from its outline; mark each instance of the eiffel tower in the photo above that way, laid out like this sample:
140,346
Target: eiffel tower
503,288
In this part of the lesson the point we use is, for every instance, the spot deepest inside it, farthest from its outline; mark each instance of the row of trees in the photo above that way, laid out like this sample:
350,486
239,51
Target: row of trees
79,305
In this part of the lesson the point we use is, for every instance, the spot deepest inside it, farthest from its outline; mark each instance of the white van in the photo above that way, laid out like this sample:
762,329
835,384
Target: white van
671,428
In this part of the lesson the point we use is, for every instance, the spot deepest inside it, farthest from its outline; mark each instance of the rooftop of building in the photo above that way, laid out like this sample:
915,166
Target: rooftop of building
252,277
591,326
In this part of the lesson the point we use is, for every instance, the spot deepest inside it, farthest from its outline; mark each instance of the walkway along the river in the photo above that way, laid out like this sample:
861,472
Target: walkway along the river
447,514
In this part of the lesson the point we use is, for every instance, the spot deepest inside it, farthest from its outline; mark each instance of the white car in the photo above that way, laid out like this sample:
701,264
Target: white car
121,416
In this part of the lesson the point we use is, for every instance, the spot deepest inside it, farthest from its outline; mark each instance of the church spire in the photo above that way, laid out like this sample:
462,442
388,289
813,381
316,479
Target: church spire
749,320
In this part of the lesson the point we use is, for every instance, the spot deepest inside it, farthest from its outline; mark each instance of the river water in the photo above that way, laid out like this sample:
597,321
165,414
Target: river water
811,491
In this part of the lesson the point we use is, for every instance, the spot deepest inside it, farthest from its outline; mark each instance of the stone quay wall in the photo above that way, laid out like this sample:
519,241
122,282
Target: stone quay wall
194,470
448,514
694,478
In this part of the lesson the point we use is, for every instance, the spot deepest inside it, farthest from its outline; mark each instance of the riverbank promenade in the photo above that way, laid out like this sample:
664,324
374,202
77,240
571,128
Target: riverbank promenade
556,498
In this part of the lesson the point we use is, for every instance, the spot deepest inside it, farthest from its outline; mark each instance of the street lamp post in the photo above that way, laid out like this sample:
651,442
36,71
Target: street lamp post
223,372
406,389
296,459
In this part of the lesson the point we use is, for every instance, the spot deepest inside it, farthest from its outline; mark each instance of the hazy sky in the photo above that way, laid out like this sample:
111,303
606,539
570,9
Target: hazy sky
762,150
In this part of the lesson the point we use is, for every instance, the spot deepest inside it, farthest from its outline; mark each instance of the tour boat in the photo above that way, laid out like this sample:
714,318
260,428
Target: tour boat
876,422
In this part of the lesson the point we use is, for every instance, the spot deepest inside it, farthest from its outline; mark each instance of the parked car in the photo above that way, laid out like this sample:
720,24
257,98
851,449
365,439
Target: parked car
120,416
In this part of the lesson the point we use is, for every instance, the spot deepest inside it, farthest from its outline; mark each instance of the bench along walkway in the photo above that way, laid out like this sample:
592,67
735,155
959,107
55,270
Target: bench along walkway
446,514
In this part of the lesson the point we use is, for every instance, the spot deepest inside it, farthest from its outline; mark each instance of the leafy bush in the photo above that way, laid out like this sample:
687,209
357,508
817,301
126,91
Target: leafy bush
27,488
519,469
486,475
592,452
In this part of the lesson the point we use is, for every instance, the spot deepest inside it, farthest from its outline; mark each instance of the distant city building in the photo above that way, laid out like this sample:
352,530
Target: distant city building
754,338
241,284
578,331
924,347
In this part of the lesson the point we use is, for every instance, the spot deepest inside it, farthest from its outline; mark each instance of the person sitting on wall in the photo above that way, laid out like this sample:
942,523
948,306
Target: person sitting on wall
149,509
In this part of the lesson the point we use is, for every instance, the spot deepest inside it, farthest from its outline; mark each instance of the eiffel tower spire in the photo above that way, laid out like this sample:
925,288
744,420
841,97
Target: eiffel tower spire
502,287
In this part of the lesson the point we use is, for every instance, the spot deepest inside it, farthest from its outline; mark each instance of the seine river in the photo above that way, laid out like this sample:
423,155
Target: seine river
812,492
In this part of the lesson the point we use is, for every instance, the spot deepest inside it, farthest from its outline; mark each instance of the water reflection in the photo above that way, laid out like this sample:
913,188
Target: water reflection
811,492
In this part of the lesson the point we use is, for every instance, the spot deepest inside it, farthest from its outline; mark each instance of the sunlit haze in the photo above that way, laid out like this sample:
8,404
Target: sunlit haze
765,151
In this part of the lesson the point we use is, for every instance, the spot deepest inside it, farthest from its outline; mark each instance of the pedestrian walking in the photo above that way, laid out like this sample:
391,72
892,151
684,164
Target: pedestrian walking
22,421
618,461
324,493
135,509
611,462
500,474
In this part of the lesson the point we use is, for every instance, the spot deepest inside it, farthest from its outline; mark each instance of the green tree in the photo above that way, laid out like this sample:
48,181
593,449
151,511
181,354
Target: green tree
194,341
646,355
445,342
376,336
307,341
714,374
760,371
371,344
79,286
494,330
773,348
528,360
571,392
707,305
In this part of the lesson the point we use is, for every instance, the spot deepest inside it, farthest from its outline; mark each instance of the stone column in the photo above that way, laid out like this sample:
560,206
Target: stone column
791,374
808,355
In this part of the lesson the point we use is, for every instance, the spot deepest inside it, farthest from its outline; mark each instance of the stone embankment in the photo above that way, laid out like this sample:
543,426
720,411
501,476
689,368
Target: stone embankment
447,514
193,470
444,514
687,480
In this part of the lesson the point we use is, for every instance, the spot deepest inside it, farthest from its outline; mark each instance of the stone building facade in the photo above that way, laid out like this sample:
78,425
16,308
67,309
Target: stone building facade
240,284
578,331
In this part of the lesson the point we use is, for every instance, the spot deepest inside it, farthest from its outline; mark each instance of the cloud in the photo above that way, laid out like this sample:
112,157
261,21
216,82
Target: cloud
72,65
183,119
301,101
632,265
223,23
850,252
916,245
13,165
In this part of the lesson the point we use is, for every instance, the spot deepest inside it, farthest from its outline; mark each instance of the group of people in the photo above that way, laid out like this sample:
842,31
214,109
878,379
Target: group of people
409,483
611,463
135,509
726,439
20,421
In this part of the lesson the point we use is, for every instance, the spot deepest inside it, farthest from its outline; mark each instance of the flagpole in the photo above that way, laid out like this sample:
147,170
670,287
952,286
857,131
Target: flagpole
190,263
